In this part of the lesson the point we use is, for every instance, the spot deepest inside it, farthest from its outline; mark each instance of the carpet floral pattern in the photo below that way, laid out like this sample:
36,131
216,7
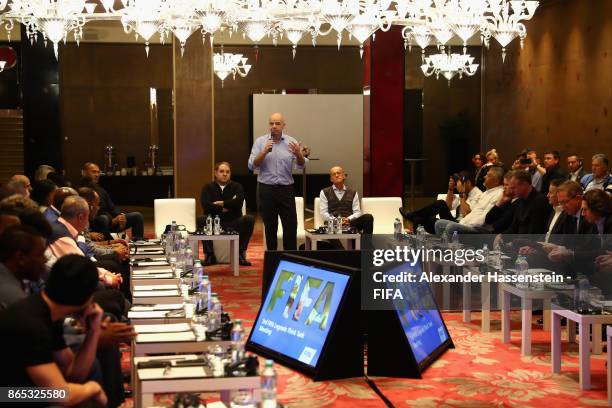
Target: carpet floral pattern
480,372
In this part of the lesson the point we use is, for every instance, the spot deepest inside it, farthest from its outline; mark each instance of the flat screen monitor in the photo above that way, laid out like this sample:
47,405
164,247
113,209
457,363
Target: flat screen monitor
419,316
297,316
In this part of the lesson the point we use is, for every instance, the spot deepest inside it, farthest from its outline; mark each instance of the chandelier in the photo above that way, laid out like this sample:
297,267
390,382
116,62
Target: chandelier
449,65
225,64
425,22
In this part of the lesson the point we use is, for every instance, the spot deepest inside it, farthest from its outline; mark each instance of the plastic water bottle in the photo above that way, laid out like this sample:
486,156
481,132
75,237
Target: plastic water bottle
205,292
217,225
397,228
214,313
170,239
338,225
521,267
198,272
497,260
485,253
268,385
420,235
209,226
188,259
581,295
455,240
237,340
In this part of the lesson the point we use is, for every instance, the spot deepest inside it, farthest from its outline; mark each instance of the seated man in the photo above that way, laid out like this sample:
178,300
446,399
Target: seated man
339,200
43,193
110,218
476,218
224,197
600,178
469,195
22,257
34,352
20,184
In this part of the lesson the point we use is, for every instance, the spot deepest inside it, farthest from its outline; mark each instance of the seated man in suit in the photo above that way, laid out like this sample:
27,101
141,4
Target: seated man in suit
224,197
338,200
110,218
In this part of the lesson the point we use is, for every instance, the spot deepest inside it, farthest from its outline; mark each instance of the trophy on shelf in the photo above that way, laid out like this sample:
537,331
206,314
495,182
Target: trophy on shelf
109,160
153,166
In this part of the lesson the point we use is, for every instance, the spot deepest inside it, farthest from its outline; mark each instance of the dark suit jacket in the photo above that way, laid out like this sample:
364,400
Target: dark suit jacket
232,197
581,174
107,207
500,218
555,173
530,215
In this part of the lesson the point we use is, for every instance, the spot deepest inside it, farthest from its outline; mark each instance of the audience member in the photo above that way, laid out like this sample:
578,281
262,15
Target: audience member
476,217
18,202
42,171
110,218
599,178
532,210
528,160
469,195
492,160
500,216
224,197
551,170
477,162
20,184
34,351
73,220
574,166
22,257
338,200
43,193
52,213
8,218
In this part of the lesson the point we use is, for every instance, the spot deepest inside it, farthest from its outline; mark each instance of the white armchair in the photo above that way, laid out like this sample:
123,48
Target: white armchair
384,210
181,210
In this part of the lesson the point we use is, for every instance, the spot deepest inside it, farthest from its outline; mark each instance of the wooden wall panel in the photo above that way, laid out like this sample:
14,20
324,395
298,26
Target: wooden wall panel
105,100
193,118
556,93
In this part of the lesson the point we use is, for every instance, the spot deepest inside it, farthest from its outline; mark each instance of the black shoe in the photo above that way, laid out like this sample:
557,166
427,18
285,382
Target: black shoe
209,259
242,259
406,214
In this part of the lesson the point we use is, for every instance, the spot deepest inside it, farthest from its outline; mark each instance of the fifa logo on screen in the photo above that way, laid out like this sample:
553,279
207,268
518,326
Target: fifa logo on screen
291,286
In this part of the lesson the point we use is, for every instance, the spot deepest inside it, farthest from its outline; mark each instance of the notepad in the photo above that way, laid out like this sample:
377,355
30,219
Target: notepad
162,328
175,372
165,337
152,263
138,270
139,288
156,293
153,276
154,314
161,306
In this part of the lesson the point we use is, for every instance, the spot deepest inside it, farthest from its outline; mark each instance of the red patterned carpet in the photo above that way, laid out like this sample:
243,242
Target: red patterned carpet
480,372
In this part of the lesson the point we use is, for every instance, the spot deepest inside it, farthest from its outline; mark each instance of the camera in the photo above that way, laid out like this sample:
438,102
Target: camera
525,161
458,178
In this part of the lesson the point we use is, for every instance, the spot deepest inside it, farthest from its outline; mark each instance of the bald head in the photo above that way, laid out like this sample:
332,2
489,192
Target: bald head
23,181
277,124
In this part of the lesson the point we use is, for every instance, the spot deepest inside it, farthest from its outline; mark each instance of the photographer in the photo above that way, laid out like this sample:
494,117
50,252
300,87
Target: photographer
468,193
528,160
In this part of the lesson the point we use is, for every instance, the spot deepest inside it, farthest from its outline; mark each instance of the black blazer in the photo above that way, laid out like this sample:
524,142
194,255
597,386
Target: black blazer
531,215
232,197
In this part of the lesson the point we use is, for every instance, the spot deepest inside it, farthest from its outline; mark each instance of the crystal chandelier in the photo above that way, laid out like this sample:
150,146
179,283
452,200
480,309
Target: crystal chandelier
449,65
425,22
225,64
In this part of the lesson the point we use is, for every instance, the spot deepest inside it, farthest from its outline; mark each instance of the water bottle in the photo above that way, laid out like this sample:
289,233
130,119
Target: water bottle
188,259
217,226
497,261
338,225
205,293
214,313
455,240
180,254
485,253
209,226
268,385
170,239
420,235
198,272
581,295
397,228
520,266
237,341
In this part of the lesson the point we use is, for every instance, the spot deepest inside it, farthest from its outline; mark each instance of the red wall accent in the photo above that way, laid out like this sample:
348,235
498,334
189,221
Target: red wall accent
386,160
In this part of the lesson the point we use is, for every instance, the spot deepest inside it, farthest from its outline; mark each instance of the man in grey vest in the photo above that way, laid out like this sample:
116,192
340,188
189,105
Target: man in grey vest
339,200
